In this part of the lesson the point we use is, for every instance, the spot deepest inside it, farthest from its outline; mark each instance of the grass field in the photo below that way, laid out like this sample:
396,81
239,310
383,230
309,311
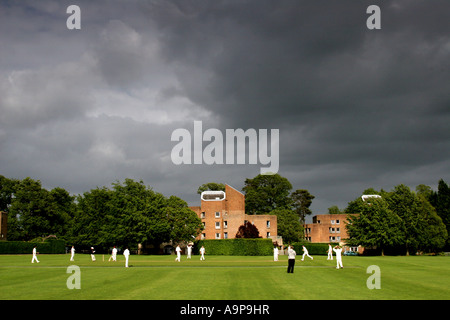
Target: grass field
223,278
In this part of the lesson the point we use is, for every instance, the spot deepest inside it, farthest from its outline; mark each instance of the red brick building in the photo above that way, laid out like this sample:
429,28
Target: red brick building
222,213
327,228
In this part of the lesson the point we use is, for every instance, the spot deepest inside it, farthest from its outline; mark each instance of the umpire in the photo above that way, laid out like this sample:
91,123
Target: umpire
291,259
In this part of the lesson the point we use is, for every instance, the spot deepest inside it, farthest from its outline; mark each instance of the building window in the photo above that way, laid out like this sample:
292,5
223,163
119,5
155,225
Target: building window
204,225
203,236
338,230
268,235
217,214
203,215
337,222
225,224
333,221
217,235
225,235
217,225
332,230
268,224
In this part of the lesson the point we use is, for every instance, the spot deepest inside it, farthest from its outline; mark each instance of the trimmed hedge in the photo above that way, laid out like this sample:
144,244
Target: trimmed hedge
236,247
313,248
22,247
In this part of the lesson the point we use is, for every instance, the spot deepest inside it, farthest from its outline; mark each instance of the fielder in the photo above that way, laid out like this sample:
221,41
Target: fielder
202,251
126,254
338,251
92,254
189,251
113,254
330,252
72,253
178,250
34,255
305,253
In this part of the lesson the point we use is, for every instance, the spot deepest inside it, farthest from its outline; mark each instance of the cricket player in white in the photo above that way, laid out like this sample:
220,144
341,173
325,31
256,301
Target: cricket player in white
275,254
202,251
126,254
189,251
113,254
178,250
330,252
34,255
72,253
338,251
92,254
305,253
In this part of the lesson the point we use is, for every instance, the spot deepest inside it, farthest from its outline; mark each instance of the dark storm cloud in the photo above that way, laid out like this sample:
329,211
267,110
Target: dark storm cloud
85,108
356,108
300,62
368,106
260,56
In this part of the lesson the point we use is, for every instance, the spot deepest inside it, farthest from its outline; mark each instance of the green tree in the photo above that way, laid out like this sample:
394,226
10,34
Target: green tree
375,225
418,226
356,205
211,186
442,205
425,191
433,233
301,200
135,206
288,225
37,212
65,207
185,224
265,193
334,210
132,213
7,189
125,215
406,205
93,218
422,228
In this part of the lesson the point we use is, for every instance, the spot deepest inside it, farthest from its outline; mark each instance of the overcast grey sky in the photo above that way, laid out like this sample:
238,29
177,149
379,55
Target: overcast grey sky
355,108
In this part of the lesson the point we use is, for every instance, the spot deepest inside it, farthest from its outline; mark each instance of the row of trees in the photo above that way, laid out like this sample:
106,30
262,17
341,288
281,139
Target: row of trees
130,213
125,214
401,219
